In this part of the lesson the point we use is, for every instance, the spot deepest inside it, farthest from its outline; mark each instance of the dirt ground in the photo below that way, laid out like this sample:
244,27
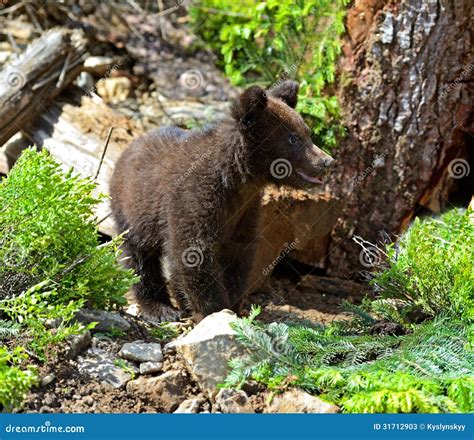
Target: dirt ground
74,392
284,300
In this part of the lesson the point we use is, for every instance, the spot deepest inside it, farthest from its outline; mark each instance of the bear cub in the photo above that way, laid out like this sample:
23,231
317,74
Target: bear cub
189,200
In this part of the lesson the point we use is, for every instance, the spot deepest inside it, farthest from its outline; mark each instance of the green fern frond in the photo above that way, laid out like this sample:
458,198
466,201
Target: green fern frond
8,329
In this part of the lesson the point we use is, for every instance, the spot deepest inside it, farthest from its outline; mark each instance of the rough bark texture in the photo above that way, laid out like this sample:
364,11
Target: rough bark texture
407,69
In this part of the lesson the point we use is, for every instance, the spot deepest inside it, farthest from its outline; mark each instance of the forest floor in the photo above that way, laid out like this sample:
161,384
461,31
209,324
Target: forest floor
74,391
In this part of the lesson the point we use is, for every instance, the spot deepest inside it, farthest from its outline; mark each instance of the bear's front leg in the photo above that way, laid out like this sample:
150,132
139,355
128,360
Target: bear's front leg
198,278
237,257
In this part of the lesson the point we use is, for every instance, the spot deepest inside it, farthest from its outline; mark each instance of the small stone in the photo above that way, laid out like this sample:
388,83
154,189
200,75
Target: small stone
88,400
48,400
46,380
98,364
141,352
85,81
52,323
98,64
133,309
166,390
115,89
77,344
299,401
189,406
106,321
233,401
151,367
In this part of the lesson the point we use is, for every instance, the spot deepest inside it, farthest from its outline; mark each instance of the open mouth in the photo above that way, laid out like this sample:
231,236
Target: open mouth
318,180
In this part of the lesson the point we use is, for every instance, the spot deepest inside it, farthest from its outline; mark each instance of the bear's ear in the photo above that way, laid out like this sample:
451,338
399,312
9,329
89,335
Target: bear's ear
287,91
250,105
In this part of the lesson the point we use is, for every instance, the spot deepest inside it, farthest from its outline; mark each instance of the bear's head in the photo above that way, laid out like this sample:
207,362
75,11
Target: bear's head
278,138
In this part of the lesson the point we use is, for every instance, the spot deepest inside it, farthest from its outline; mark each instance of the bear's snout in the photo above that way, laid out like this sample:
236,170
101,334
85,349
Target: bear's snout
328,162
322,159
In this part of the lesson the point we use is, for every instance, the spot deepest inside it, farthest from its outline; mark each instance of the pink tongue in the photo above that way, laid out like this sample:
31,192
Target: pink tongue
309,178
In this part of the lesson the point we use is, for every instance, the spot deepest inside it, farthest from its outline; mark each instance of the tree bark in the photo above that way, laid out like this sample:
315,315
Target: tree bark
408,72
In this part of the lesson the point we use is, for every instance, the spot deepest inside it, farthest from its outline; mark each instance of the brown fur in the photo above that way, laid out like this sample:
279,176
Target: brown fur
197,193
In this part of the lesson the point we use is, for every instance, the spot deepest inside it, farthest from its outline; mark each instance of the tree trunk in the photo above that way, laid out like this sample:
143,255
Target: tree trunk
407,96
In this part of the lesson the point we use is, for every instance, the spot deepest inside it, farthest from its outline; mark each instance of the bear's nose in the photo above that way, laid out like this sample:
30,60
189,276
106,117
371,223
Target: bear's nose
328,162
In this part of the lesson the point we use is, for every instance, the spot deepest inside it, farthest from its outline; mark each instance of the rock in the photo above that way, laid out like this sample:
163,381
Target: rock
99,65
207,349
46,380
141,352
133,309
100,365
299,401
48,400
233,401
77,344
115,89
86,82
88,400
166,390
189,406
106,321
52,323
151,367
106,372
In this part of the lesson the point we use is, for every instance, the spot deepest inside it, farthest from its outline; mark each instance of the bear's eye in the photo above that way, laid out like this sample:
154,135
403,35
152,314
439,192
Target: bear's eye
293,139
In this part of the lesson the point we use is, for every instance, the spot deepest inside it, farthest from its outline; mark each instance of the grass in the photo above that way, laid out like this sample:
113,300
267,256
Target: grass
427,365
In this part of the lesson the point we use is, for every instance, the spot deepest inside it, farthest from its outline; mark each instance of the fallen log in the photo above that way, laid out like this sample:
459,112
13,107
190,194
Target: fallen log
28,84
76,136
